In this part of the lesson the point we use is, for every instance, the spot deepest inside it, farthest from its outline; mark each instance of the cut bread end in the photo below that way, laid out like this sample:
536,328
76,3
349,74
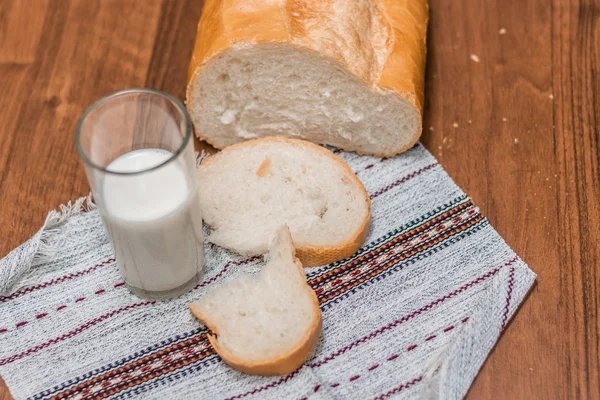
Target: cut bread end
250,91
266,324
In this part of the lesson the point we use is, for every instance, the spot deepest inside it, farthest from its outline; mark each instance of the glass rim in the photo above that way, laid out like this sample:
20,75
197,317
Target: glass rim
186,138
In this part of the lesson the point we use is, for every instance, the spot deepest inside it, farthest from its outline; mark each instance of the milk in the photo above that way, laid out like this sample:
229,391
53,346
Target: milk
154,222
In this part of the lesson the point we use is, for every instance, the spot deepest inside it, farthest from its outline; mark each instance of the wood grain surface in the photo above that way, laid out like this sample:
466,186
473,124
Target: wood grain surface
512,113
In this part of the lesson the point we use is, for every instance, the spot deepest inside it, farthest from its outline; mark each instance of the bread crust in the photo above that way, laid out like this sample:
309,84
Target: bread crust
392,59
280,365
311,256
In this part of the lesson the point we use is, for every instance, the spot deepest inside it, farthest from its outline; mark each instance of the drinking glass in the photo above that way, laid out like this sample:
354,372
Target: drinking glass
137,150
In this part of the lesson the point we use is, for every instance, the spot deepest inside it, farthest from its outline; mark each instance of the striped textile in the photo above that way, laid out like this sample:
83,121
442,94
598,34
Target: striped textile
412,314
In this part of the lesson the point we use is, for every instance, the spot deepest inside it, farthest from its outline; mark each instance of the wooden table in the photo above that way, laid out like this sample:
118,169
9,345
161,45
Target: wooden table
512,112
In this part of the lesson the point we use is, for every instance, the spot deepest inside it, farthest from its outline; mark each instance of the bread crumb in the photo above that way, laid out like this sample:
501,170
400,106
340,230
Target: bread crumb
502,31
550,96
516,141
474,58
445,140
469,121
455,125
504,119
431,128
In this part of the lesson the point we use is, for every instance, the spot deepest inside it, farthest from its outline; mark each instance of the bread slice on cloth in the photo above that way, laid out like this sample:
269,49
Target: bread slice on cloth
249,190
266,324
348,73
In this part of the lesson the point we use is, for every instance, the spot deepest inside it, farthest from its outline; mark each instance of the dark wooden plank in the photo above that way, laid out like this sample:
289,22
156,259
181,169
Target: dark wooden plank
4,392
83,50
172,51
501,153
173,46
525,147
576,81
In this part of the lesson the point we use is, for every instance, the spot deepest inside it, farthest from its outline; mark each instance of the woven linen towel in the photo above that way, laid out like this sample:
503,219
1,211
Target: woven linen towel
413,314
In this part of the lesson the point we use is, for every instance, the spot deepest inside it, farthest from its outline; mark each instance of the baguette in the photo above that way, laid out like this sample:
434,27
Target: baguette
347,73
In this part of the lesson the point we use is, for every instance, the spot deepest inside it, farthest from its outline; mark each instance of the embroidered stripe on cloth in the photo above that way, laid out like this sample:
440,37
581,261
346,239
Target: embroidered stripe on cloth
413,314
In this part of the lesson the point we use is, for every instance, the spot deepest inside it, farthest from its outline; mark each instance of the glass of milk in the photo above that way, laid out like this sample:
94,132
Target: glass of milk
137,149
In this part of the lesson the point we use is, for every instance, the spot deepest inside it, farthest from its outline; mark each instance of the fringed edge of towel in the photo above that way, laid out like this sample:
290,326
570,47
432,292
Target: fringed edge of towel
18,263
54,220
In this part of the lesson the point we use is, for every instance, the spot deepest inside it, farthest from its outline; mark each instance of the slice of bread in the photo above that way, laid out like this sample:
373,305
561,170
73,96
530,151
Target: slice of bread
348,73
249,190
266,324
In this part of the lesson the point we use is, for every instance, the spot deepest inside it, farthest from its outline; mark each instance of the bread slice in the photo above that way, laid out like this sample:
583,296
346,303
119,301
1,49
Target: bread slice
249,190
347,73
266,324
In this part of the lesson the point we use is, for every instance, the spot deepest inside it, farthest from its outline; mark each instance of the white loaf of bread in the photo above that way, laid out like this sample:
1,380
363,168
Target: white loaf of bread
348,73
249,190
266,324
